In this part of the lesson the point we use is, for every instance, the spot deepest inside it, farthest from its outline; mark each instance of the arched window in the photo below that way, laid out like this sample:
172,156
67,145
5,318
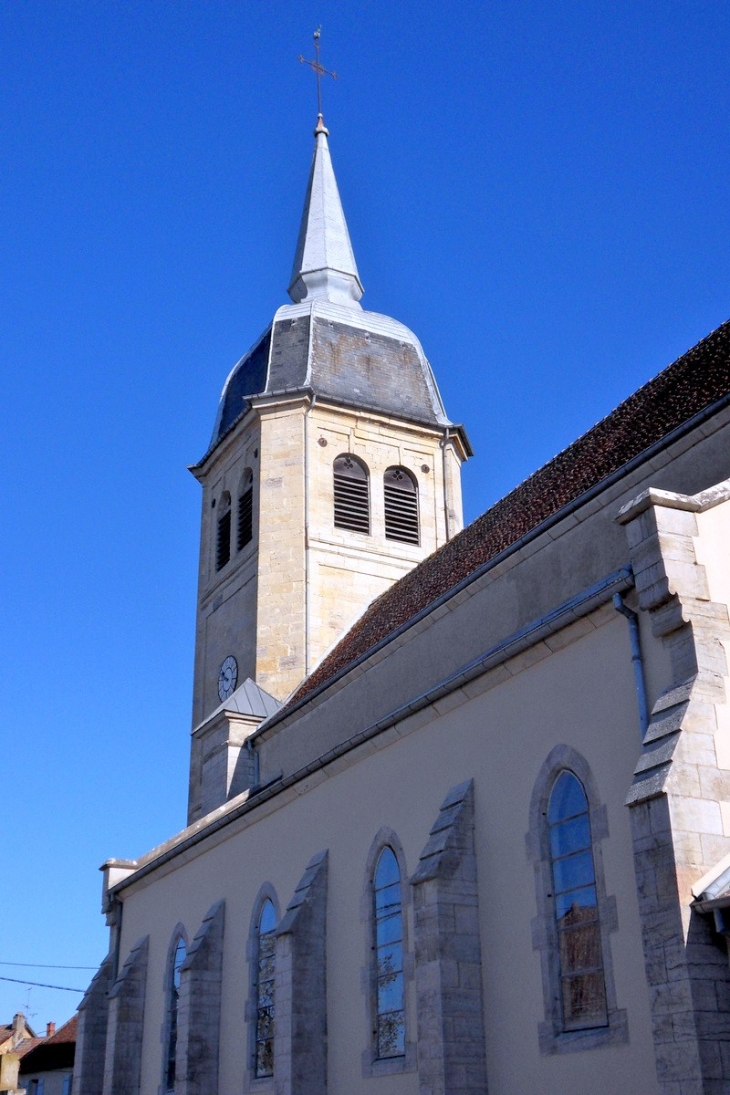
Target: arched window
177,957
575,902
245,510
390,1034
352,494
265,973
223,537
401,506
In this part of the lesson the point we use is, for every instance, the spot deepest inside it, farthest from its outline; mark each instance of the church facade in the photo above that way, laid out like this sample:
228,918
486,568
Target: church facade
459,810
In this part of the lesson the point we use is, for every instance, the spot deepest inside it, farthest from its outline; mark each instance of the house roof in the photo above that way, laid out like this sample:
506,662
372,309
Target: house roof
55,1052
692,384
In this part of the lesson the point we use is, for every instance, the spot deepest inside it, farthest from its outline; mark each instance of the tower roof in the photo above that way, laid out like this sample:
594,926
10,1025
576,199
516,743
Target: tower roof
324,263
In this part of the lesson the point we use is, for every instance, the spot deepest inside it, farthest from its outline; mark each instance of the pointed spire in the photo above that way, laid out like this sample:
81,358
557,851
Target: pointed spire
324,265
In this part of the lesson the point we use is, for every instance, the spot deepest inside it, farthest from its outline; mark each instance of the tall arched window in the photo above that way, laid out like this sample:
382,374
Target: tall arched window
352,494
245,510
177,957
265,973
223,534
401,506
575,901
390,1035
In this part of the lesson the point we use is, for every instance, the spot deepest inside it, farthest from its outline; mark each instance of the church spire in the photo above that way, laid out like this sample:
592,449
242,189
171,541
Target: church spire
324,264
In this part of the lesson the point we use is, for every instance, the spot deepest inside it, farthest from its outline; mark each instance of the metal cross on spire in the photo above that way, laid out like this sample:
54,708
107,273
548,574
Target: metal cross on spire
318,69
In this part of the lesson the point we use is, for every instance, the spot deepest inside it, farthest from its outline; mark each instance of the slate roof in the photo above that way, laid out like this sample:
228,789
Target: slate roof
345,356
696,381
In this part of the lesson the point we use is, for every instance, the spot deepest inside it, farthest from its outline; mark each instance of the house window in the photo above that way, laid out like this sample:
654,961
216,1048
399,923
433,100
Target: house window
390,1033
352,494
177,957
401,506
67,1083
575,903
265,973
223,535
245,510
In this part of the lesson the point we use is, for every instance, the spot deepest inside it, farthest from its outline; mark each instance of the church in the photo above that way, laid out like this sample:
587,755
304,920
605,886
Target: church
459,801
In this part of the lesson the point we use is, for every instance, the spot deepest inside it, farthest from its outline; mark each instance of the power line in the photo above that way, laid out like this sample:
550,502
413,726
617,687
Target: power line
40,985
47,966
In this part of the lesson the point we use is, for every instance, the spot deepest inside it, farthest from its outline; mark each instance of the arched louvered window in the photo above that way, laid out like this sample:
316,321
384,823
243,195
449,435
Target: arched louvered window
582,982
352,494
265,973
401,506
245,510
390,1035
177,957
223,534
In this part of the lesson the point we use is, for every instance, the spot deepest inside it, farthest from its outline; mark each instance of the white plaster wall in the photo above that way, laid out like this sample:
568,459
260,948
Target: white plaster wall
581,695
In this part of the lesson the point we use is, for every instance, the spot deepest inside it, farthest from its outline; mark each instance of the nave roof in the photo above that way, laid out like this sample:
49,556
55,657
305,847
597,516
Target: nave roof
697,383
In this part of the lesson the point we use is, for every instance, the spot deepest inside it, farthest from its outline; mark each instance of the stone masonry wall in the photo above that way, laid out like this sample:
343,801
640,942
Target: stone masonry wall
300,1039
199,1015
123,1058
678,798
451,1046
88,1077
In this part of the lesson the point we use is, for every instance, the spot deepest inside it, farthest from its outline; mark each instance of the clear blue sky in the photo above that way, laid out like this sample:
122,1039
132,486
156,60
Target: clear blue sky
539,188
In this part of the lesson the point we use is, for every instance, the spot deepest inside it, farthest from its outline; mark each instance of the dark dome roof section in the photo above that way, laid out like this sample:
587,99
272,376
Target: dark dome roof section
248,378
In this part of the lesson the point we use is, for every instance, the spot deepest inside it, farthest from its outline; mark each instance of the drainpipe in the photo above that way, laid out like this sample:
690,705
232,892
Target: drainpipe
307,415
637,659
442,445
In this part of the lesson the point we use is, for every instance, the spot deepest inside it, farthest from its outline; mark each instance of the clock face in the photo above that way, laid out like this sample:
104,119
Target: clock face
227,677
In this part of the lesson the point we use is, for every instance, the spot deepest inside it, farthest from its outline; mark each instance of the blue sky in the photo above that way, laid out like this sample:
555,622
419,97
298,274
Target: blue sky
538,188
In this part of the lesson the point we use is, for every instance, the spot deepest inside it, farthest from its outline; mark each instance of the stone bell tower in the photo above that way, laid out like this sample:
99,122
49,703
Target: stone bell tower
333,470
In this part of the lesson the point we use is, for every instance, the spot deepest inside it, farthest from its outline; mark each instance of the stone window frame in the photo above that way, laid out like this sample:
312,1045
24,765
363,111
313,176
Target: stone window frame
179,932
371,1065
252,1082
552,1037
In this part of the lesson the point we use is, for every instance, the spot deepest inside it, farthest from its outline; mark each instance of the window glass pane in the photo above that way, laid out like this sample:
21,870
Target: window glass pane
265,1003
573,872
569,906
390,993
388,899
387,870
580,949
568,798
391,1034
584,1001
390,959
267,921
265,1058
389,929
570,836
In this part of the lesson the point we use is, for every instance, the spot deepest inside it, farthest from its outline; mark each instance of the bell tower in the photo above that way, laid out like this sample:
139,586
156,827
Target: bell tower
333,469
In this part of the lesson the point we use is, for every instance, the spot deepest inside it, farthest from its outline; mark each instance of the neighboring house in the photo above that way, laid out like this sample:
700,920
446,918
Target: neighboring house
459,808
16,1038
47,1067
13,1034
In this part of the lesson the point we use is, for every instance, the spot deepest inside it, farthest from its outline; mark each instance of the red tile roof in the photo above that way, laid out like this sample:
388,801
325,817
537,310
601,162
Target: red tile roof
54,1052
696,381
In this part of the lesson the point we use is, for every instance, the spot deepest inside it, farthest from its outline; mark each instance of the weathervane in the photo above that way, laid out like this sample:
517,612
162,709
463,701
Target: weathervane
318,69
